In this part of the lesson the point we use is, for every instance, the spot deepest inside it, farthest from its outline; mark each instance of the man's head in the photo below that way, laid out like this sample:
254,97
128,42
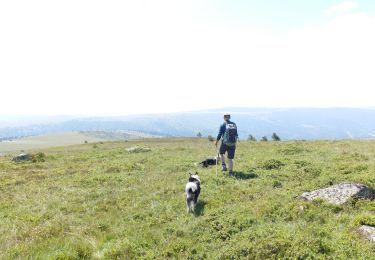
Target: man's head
226,117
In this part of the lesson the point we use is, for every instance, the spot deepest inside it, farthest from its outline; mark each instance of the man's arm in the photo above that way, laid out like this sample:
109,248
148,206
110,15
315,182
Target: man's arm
238,139
221,132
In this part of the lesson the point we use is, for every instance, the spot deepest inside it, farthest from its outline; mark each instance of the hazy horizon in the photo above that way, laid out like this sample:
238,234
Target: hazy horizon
224,109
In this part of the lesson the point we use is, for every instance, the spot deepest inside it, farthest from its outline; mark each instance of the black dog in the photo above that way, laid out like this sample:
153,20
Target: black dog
207,162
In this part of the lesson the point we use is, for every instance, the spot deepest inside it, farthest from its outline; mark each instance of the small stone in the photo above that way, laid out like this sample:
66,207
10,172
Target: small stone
367,232
137,149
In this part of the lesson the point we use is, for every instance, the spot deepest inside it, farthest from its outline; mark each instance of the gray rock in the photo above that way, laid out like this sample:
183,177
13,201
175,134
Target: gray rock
340,193
22,157
137,149
367,232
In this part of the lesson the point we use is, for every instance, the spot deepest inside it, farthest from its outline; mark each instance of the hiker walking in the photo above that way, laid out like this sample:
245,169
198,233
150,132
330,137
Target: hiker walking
228,134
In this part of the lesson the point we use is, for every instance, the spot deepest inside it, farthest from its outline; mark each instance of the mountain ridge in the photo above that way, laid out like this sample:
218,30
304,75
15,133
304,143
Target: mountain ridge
288,123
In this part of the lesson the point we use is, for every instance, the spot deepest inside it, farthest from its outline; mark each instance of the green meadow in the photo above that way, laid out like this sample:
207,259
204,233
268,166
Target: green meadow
66,138
97,201
46,141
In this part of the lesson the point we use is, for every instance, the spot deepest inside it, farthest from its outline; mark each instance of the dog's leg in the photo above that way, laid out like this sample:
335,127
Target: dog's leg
189,203
192,206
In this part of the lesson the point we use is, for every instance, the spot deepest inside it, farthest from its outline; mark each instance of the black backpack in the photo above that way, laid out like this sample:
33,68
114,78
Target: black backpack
230,134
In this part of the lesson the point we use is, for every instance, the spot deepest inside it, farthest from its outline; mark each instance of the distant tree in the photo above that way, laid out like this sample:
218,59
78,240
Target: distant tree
264,139
85,142
211,138
251,138
199,135
275,137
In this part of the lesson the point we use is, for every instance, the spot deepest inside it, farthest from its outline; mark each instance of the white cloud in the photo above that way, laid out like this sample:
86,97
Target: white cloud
341,8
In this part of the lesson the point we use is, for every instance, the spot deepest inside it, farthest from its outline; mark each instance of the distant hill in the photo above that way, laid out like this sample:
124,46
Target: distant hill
288,123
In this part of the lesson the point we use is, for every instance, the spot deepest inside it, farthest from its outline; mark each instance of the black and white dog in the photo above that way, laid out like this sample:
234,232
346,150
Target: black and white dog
208,162
192,190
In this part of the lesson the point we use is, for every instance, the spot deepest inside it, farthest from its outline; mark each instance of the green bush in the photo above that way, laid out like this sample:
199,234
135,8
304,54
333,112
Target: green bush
365,219
251,138
38,157
272,164
275,137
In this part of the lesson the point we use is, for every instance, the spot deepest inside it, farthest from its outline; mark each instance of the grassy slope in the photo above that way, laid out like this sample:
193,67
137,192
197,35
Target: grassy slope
120,135
103,202
45,141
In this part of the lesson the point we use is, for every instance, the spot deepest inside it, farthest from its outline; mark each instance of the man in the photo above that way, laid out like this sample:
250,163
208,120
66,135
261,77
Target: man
228,134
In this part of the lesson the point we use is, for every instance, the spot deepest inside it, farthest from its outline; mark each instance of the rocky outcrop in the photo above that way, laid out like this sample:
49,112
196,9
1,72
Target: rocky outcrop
340,193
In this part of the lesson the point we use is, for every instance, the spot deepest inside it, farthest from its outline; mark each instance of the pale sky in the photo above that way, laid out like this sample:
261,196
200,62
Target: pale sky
129,57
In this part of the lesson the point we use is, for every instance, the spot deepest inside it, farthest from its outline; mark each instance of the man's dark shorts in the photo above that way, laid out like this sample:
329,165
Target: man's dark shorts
230,149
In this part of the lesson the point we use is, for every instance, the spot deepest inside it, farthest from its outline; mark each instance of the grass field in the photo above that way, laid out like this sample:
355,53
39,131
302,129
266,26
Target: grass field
99,201
68,138
46,141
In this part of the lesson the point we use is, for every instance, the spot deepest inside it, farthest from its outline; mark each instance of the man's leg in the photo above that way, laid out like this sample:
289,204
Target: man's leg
230,165
224,166
231,152
222,151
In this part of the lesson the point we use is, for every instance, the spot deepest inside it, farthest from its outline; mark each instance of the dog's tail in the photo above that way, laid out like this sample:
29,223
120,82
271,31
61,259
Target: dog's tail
190,188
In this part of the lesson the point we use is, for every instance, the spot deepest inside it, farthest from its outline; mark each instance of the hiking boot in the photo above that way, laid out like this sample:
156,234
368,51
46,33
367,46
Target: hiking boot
224,168
231,173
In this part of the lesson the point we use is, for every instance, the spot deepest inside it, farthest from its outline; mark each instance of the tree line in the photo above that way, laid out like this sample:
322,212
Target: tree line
274,137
